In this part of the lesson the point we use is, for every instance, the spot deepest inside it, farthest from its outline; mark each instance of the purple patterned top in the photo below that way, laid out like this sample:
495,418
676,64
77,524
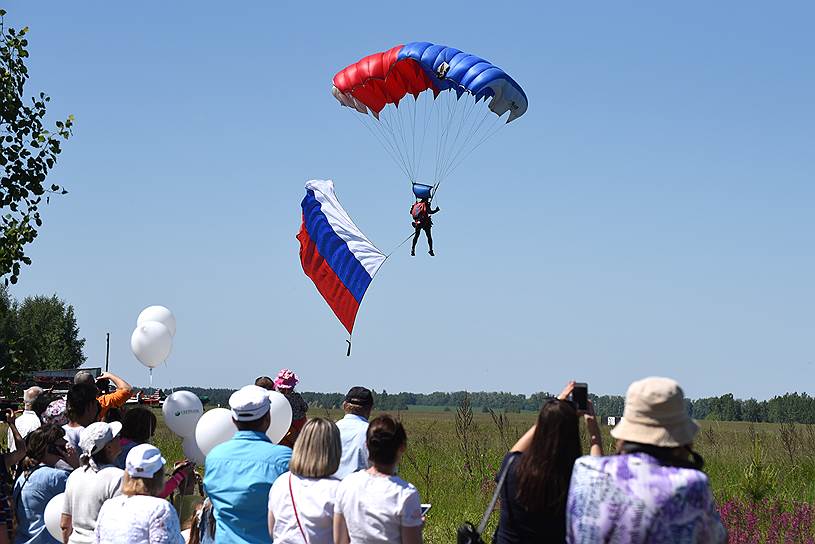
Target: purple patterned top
633,499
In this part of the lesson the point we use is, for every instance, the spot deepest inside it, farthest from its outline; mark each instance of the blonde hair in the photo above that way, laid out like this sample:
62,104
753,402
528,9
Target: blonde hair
131,485
318,449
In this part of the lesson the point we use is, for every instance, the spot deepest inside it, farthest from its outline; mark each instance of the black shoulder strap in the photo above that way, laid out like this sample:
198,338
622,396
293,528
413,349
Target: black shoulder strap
491,507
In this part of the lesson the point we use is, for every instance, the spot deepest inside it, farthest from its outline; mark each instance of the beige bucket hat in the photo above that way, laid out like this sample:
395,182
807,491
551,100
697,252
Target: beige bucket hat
655,414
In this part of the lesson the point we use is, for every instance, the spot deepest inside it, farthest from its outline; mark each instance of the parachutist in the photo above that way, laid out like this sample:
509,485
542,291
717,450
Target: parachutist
421,212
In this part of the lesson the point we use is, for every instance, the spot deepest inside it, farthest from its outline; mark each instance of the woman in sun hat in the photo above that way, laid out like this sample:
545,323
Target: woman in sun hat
138,516
654,489
89,486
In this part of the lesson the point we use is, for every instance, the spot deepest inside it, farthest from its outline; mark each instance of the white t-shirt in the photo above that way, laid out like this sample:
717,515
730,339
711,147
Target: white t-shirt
376,507
85,492
72,436
314,499
139,519
25,423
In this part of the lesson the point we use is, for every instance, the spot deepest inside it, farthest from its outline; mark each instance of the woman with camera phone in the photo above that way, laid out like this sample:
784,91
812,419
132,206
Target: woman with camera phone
539,467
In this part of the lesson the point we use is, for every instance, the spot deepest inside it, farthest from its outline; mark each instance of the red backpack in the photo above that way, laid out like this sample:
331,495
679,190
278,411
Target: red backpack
419,212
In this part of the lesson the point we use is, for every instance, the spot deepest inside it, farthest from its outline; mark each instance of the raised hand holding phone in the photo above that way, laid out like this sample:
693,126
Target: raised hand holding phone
580,396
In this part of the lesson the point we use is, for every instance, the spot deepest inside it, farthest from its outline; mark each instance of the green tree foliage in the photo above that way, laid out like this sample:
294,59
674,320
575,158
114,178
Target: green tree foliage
8,326
791,407
41,333
47,334
28,152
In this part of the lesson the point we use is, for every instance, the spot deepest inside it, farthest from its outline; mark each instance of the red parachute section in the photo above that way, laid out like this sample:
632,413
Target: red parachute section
381,79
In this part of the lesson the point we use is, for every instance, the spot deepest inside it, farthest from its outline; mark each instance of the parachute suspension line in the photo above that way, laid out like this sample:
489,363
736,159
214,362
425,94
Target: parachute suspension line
437,115
443,132
382,124
426,118
376,129
469,108
492,132
413,132
396,134
453,108
444,137
393,126
472,129
398,117
383,142
463,152
404,123
385,124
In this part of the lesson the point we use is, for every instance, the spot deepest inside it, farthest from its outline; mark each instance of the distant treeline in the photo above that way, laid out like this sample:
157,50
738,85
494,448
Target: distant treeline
796,407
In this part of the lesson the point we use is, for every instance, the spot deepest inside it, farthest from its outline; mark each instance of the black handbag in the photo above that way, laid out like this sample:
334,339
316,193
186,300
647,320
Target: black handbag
466,532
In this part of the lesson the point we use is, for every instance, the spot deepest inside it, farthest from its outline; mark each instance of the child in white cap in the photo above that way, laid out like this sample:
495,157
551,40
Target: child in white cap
138,516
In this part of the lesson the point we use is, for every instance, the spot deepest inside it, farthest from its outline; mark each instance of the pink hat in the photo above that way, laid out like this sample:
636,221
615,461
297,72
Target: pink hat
286,379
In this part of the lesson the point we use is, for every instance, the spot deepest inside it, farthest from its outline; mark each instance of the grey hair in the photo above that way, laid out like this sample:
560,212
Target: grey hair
31,394
83,376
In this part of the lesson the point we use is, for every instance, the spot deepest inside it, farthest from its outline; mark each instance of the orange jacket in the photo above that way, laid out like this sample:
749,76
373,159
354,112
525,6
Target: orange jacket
111,400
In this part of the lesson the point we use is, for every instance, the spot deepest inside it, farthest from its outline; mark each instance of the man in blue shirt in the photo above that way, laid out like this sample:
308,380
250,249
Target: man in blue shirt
353,427
240,472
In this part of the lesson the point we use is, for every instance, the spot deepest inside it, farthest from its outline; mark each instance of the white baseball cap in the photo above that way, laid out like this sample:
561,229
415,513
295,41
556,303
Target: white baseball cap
249,403
144,461
97,435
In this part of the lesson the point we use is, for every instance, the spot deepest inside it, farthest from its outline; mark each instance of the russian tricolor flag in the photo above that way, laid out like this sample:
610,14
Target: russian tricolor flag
335,254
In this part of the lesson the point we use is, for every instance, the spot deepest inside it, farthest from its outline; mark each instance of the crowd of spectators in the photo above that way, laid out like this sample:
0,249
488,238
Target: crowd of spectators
338,482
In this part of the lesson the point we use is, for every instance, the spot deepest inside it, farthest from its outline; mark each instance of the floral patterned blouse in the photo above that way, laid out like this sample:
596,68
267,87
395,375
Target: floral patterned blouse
138,520
634,499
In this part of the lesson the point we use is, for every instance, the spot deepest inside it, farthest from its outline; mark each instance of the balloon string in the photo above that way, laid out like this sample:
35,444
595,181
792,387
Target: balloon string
172,387
151,378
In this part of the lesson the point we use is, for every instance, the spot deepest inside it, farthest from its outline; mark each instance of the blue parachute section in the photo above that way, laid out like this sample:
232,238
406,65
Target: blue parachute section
468,73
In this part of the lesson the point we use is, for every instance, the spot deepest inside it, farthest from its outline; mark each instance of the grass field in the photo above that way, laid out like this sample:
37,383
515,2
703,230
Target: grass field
763,475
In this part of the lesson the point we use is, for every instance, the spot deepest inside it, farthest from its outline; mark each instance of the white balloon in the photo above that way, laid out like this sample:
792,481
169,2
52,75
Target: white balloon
160,314
151,343
192,451
215,427
182,410
281,417
52,515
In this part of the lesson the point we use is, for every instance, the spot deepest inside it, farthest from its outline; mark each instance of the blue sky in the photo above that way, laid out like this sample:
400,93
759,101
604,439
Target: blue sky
651,214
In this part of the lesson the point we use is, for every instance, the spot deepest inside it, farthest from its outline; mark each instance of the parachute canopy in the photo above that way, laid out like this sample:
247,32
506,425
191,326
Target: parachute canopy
385,78
458,101
338,258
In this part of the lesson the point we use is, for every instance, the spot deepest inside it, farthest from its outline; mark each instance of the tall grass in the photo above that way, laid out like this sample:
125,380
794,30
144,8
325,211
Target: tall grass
763,475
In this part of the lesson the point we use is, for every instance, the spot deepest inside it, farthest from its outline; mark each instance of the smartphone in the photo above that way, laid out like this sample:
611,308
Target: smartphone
580,396
425,508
